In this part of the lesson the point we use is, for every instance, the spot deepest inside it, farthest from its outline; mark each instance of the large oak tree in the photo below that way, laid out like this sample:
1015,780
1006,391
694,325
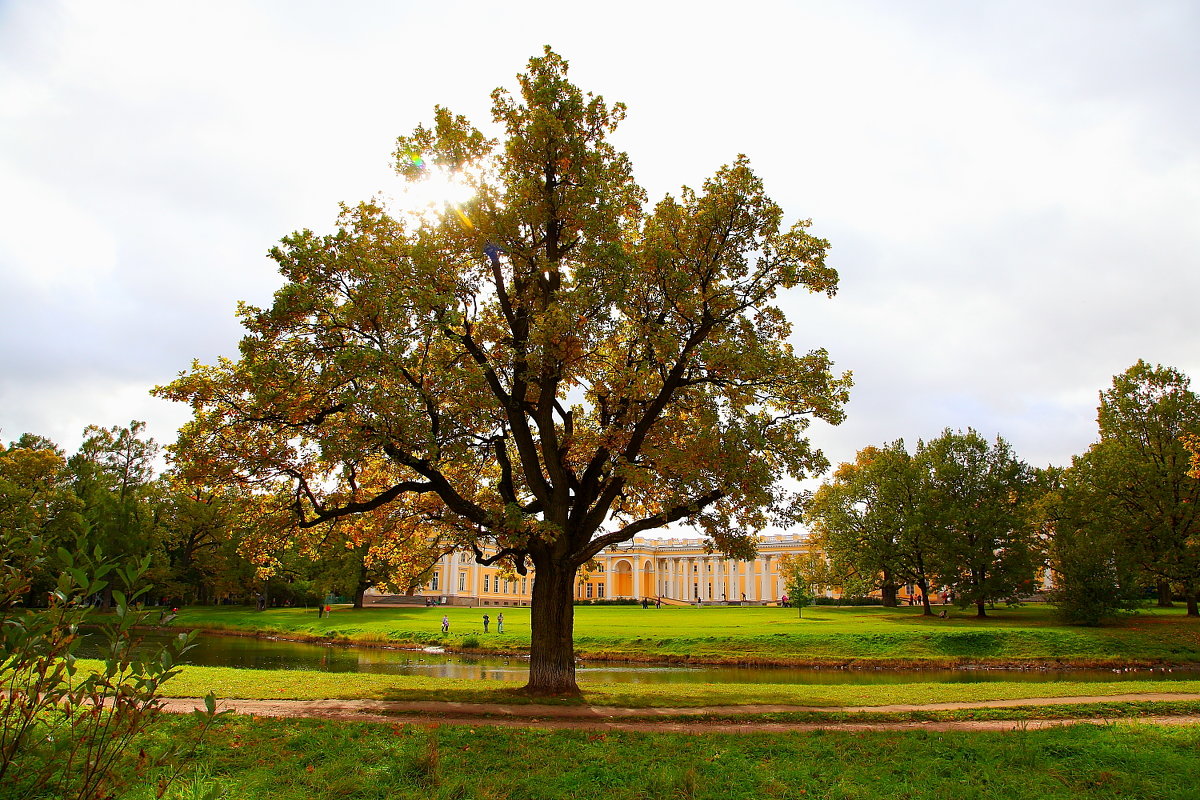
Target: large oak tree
545,372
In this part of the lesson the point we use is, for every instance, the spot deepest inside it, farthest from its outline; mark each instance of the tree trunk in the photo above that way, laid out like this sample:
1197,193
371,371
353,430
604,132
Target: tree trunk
980,611
889,591
926,608
362,582
1192,606
552,620
1164,594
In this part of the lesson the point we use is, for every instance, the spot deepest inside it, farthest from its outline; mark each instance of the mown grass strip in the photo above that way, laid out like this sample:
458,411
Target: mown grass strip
196,681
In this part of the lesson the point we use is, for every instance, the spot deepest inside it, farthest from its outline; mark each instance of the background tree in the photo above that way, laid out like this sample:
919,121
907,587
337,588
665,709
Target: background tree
797,572
205,533
854,528
382,548
1139,474
114,479
37,503
870,519
1094,575
543,373
823,574
980,525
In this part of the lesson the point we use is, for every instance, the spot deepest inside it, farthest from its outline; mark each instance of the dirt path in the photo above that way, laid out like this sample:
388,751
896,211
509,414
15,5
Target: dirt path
600,718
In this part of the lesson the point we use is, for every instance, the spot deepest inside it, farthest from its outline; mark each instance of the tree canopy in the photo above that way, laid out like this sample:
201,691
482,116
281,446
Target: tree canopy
540,372
868,519
1143,502
983,537
954,514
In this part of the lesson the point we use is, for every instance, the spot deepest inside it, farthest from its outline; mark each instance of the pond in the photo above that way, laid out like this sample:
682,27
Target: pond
254,653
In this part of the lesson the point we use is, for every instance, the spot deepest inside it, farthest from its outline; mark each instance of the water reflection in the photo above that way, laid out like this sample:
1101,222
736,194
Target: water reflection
250,653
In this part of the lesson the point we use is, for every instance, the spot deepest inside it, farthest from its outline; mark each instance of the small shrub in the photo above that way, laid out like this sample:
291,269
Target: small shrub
65,733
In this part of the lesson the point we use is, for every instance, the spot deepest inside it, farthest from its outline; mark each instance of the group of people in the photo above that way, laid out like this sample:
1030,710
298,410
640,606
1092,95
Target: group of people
486,621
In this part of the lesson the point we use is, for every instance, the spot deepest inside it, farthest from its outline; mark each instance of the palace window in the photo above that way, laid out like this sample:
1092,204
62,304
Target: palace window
589,591
462,581
600,590
487,579
433,584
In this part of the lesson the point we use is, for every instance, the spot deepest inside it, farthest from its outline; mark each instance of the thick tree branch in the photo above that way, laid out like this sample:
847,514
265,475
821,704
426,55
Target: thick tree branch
324,515
649,523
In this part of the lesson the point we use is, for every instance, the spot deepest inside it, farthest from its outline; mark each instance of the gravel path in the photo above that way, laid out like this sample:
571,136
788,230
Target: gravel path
644,719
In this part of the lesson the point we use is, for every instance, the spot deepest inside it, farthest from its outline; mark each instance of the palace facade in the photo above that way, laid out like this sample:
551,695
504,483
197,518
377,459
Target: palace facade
676,570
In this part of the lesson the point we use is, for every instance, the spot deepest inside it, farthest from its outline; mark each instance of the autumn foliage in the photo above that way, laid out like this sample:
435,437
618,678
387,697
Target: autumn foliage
538,373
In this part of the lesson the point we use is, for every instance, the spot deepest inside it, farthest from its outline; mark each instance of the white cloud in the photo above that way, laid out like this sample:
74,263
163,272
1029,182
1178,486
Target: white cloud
1011,190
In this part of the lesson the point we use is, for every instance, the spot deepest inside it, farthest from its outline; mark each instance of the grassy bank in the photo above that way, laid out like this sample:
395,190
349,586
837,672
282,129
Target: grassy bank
301,685
321,760
1026,636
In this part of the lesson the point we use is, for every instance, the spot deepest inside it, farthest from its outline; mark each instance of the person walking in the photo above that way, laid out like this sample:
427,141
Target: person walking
445,624
500,622
486,620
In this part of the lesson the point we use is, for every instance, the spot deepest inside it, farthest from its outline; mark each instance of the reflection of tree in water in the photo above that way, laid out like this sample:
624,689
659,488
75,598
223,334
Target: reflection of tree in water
248,653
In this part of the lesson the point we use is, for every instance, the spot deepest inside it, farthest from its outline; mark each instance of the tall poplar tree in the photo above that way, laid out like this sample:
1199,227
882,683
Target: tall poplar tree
544,371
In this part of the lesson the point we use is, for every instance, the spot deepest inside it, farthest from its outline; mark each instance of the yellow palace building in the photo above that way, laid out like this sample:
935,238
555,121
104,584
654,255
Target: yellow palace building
675,570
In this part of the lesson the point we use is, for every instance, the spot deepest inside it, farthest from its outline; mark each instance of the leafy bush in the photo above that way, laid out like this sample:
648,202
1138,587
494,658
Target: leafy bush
66,732
848,601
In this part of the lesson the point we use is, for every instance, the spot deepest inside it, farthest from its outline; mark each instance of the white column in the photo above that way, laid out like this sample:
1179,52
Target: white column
765,579
608,578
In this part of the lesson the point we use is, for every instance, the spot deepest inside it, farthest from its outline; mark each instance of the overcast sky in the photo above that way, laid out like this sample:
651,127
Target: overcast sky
1011,189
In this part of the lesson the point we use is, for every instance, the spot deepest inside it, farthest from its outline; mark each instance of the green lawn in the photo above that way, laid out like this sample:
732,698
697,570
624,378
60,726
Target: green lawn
250,758
752,635
261,759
